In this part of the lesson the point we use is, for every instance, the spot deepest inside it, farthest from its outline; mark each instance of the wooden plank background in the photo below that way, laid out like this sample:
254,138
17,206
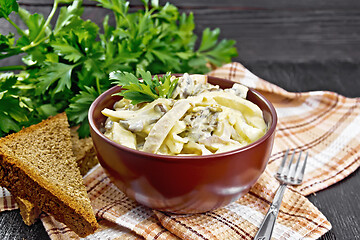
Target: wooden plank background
272,37
299,45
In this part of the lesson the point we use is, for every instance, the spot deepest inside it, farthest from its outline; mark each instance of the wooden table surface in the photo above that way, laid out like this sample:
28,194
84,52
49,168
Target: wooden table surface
299,45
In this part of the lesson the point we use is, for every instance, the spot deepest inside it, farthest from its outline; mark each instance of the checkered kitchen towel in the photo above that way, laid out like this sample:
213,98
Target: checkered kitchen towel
323,123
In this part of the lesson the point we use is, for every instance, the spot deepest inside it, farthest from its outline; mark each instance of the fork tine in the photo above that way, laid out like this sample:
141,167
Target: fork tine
281,167
294,167
300,178
287,170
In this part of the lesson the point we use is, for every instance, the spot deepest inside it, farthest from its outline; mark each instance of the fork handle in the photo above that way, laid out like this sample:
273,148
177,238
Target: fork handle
267,225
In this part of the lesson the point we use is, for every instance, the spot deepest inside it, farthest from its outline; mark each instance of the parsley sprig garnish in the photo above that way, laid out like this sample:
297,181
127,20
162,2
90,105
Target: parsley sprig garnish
66,60
145,90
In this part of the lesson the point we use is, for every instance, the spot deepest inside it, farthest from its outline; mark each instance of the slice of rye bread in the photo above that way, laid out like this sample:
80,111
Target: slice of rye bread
85,158
38,164
28,211
84,151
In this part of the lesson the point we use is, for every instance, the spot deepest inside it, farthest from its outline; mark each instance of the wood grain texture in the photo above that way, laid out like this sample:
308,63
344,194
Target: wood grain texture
260,4
288,35
299,45
340,203
340,77
13,228
291,36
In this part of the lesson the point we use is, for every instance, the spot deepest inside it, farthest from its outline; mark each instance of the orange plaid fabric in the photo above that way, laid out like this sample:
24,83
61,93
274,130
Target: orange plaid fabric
322,123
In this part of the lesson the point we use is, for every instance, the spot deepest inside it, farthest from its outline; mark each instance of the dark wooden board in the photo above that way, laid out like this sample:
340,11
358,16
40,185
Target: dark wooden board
13,228
340,203
299,45
280,34
340,77
259,4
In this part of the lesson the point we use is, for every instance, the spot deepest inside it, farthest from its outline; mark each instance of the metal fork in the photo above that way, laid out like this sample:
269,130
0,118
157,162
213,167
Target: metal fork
292,174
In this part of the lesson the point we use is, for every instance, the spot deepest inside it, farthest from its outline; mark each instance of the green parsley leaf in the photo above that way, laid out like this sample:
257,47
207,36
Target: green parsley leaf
7,124
47,110
167,86
8,6
222,52
214,52
67,14
209,39
67,51
7,46
14,110
146,89
53,72
34,22
78,109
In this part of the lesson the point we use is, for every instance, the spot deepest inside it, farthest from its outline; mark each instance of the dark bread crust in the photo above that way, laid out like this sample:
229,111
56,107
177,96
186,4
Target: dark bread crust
30,190
86,159
43,171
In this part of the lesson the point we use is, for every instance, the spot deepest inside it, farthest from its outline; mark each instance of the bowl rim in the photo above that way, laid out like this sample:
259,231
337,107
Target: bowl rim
175,158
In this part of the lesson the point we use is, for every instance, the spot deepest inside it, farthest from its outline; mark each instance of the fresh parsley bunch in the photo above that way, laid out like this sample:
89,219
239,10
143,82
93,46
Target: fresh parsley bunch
67,65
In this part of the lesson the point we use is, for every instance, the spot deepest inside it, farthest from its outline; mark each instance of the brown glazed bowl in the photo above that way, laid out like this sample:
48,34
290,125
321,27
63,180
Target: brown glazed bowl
178,184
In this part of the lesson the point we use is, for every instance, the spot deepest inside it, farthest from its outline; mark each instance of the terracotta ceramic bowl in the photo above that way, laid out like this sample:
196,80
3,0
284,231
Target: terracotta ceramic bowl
179,184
